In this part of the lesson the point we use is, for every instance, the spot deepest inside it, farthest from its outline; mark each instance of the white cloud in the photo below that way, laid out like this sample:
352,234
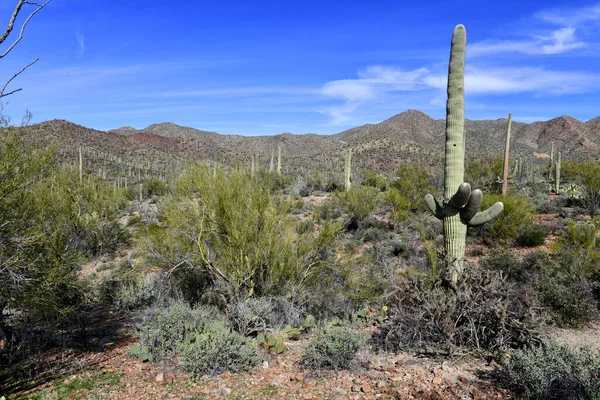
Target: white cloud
573,16
557,41
80,44
379,83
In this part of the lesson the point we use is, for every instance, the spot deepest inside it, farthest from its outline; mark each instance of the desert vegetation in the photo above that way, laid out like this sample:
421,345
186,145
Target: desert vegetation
218,267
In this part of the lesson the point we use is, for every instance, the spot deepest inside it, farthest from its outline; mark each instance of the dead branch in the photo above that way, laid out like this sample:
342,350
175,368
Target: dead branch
2,92
7,32
11,23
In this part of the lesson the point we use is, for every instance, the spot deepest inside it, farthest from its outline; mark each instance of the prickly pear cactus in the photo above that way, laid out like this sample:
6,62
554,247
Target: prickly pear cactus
460,206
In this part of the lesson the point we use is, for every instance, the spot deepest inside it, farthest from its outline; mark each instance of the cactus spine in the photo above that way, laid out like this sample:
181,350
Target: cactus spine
460,206
506,157
347,170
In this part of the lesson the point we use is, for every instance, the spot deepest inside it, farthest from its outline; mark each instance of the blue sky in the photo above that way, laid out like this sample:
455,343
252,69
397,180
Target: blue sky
267,67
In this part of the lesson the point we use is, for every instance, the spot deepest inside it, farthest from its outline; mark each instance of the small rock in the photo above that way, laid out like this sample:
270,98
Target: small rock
160,378
265,364
463,379
381,384
306,385
337,390
299,376
437,380
365,388
226,374
223,392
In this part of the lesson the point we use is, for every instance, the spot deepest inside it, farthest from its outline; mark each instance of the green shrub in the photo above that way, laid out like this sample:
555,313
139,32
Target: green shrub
516,217
555,371
237,236
413,181
504,261
400,205
217,349
567,294
373,178
358,202
164,330
153,187
532,237
483,173
332,347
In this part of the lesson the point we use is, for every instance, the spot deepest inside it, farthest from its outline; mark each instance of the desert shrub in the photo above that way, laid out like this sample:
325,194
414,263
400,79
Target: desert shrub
413,181
485,311
483,173
504,261
259,314
516,217
373,178
588,175
555,371
532,237
133,295
358,202
316,180
567,294
154,187
163,330
216,349
238,236
332,347
400,205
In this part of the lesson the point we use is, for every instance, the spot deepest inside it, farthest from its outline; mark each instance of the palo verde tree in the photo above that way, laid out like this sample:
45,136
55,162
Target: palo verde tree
460,205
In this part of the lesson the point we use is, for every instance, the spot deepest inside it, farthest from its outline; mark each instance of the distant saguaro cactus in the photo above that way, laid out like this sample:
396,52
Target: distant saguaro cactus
460,205
279,160
348,170
506,157
557,174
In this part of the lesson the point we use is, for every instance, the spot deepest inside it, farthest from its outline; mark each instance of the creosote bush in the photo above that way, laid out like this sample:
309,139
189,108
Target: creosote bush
333,347
555,371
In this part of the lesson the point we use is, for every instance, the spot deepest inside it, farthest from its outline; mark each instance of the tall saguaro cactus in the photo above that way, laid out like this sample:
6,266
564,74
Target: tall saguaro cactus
557,174
460,205
279,160
506,157
348,170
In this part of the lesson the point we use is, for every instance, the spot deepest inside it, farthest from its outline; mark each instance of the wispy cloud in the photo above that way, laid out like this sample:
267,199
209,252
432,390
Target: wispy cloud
380,82
556,41
80,44
556,31
570,16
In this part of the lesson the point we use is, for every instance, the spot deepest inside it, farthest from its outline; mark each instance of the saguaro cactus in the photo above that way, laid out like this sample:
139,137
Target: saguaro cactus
506,157
460,205
272,165
348,170
279,160
557,174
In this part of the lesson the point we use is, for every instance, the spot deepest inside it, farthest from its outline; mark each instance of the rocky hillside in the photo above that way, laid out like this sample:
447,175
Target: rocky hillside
408,135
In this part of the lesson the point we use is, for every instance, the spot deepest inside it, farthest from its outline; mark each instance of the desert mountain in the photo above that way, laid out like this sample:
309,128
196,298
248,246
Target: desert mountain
408,135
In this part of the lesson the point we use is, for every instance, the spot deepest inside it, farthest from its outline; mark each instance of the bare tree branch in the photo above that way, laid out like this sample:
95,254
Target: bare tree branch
11,23
2,92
